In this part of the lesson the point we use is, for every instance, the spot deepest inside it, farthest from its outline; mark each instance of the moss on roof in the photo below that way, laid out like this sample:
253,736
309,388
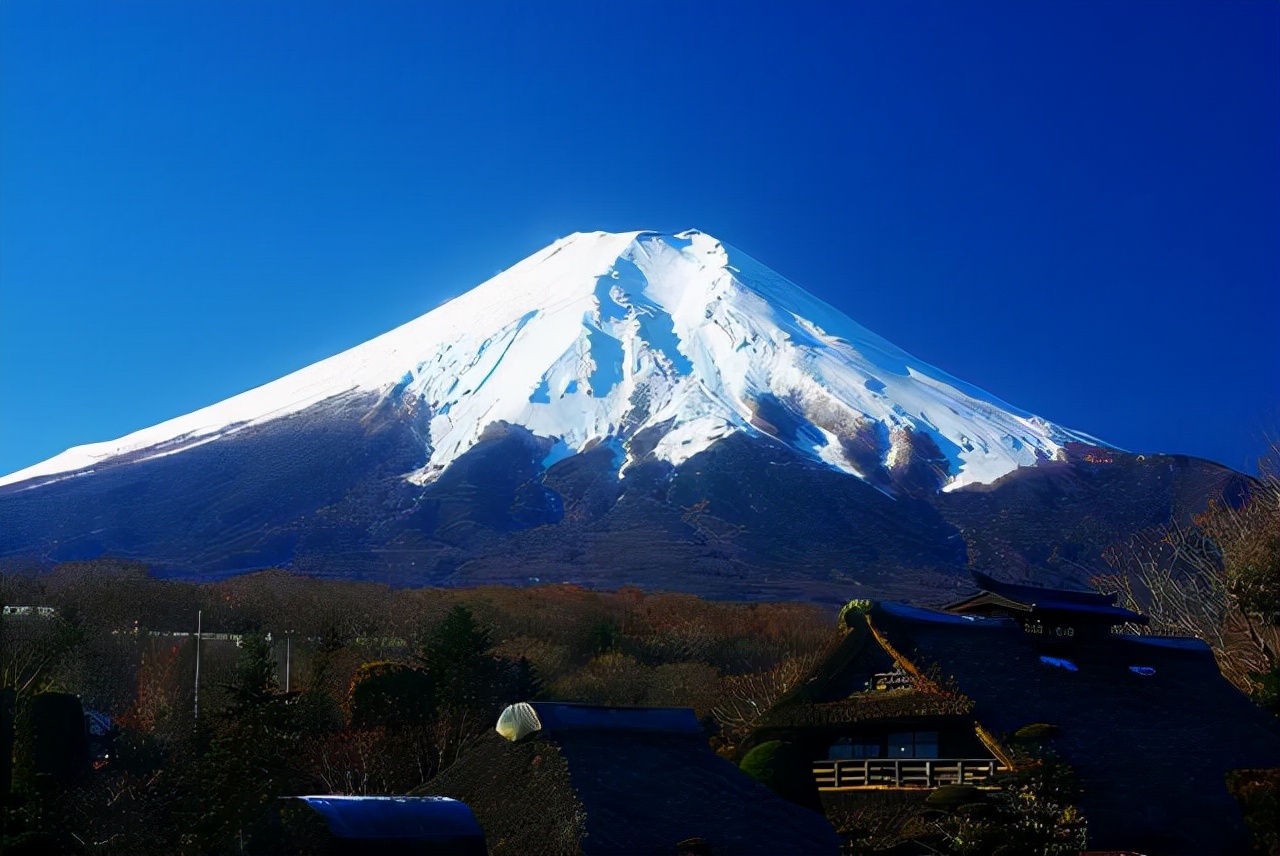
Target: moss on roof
865,708
833,692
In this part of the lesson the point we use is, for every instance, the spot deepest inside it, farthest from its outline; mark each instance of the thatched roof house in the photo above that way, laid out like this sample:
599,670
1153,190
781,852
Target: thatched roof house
1148,724
580,779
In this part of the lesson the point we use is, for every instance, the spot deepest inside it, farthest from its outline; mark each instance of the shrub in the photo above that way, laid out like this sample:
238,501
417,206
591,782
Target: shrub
1036,732
1033,812
1258,792
784,770
852,610
390,695
953,797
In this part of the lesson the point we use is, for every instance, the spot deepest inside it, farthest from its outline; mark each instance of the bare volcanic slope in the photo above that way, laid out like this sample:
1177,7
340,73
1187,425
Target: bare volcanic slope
617,408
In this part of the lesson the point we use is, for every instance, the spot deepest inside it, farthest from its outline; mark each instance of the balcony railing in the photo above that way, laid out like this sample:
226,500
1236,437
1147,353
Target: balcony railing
870,773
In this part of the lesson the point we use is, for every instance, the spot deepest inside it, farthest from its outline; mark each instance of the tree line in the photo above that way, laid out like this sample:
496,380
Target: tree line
386,688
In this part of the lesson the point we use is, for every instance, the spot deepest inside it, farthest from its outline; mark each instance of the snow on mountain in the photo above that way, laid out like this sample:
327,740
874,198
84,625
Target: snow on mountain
600,336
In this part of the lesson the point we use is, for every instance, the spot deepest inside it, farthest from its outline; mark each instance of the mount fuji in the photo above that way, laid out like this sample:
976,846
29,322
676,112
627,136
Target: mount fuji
656,409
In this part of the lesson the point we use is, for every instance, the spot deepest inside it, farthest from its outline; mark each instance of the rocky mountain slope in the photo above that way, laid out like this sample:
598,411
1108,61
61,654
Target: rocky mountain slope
617,408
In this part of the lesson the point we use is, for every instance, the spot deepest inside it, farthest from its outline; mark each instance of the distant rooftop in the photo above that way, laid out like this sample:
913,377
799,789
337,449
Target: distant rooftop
995,595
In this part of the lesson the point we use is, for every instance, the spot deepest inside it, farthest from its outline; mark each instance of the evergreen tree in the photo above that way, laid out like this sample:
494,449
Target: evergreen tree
457,657
255,680
253,754
466,679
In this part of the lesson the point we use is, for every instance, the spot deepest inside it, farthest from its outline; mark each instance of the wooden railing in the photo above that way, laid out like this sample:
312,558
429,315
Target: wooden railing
848,774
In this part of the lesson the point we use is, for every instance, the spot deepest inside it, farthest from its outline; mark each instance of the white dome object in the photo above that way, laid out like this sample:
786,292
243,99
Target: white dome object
518,720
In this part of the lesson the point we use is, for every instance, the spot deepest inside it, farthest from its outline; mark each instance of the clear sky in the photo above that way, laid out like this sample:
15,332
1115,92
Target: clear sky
1074,206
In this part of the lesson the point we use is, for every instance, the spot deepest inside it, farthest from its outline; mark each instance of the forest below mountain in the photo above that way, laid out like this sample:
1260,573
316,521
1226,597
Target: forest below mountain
310,686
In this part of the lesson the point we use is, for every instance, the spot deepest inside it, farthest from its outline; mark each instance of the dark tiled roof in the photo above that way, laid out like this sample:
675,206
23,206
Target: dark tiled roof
593,791
1151,750
1035,594
832,694
557,717
520,793
1058,600
644,795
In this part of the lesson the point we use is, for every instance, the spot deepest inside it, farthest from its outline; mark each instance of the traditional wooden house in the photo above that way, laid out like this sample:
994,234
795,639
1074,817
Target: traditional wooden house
871,720
911,699
582,779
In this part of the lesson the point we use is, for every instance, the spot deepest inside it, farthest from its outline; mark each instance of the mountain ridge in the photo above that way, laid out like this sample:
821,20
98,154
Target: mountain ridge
652,410
601,335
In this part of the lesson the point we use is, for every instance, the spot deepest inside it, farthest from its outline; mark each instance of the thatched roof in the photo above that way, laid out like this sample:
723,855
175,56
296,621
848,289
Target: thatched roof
1149,724
602,790
832,694
866,709
521,794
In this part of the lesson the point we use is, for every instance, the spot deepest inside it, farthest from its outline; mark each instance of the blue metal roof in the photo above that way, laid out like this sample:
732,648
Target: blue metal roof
429,820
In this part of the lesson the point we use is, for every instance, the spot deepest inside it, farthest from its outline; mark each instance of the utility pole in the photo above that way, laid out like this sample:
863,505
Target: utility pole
199,627
288,650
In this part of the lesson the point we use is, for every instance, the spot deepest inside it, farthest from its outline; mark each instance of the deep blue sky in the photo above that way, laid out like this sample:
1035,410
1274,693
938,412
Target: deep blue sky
1074,206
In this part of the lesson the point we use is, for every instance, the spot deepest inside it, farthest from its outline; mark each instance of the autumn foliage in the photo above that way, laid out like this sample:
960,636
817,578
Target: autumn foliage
385,687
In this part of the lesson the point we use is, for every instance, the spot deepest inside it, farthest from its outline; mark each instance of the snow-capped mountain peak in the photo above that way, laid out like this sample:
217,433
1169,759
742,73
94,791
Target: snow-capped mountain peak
601,336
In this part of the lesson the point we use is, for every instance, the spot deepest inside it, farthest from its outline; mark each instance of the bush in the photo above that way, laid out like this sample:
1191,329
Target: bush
784,770
390,695
1258,792
1033,812
1036,732
953,797
852,610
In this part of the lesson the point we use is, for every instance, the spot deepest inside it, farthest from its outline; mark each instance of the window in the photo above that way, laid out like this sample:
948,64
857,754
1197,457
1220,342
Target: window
847,748
913,744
